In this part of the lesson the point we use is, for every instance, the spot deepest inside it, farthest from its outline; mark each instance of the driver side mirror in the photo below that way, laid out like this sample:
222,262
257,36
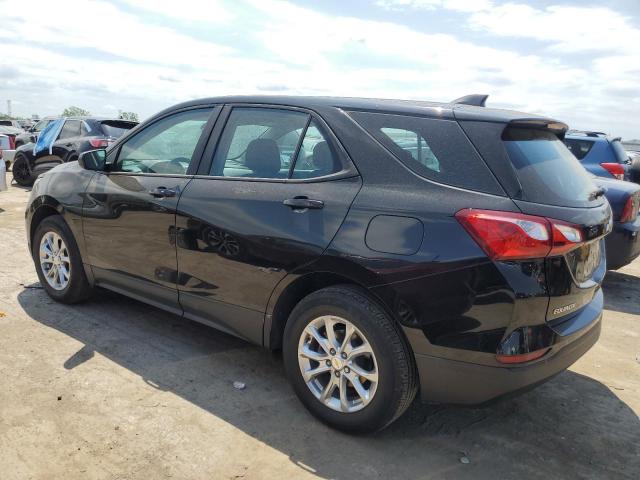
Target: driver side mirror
93,160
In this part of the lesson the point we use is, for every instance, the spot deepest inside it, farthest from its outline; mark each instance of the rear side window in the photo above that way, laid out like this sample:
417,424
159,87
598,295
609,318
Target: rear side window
116,129
580,148
546,169
71,129
432,148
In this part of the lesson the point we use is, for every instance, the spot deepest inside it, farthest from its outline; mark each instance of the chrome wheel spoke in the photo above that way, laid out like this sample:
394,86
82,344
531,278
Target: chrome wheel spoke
327,392
353,352
346,341
313,355
314,372
324,344
359,388
372,376
344,401
329,325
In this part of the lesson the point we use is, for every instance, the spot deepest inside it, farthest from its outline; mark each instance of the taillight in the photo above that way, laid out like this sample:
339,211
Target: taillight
615,169
99,142
522,357
516,236
630,210
12,142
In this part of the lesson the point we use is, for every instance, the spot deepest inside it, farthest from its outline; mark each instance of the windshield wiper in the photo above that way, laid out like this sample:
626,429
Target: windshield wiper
597,193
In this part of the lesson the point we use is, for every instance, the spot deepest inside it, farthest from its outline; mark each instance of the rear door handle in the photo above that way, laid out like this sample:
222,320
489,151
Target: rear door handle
162,192
302,203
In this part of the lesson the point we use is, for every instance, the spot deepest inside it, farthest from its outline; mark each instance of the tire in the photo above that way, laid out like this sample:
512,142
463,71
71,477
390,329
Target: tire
21,173
392,360
77,288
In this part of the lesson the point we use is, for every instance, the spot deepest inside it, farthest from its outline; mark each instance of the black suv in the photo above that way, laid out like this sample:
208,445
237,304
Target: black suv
76,135
385,246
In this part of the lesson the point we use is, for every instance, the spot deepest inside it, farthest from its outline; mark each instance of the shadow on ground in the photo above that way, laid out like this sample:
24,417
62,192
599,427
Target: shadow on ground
570,427
619,289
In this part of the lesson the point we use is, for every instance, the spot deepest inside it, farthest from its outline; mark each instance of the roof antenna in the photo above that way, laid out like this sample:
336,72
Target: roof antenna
475,99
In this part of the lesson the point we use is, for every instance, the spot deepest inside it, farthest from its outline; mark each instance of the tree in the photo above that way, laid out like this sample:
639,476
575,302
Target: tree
128,116
75,112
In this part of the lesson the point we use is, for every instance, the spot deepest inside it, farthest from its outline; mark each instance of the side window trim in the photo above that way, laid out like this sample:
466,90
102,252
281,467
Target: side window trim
294,158
348,169
197,153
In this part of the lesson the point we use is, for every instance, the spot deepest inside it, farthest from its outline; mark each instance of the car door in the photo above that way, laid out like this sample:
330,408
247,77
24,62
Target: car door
129,211
268,199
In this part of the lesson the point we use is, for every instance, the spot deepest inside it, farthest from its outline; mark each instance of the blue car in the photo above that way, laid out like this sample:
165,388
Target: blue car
623,243
599,154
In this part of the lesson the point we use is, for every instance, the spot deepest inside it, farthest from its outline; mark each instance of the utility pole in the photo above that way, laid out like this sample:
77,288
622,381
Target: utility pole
9,107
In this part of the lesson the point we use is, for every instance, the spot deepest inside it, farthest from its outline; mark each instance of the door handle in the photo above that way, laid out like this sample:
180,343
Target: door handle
302,203
162,192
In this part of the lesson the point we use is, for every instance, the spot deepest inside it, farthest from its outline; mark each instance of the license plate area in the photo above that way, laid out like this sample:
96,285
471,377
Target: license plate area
584,261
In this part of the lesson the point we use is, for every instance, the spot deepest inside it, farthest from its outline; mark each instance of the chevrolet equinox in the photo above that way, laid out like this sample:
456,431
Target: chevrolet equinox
386,247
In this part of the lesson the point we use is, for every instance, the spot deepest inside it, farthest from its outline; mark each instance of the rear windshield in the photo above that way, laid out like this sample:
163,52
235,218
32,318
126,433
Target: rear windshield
546,169
433,148
116,129
6,122
621,154
578,147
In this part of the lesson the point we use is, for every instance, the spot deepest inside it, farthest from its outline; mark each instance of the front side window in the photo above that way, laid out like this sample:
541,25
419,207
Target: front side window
166,146
70,129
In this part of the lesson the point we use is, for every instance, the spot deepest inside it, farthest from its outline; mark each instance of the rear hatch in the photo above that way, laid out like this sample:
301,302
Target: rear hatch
548,183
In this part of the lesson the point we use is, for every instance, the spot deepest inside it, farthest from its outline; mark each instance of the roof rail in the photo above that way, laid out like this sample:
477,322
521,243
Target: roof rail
475,99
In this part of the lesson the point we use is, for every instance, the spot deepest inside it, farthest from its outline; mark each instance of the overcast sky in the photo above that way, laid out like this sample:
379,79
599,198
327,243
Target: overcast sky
578,61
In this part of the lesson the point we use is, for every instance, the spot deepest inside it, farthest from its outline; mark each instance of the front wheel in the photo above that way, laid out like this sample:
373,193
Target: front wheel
347,360
58,263
21,172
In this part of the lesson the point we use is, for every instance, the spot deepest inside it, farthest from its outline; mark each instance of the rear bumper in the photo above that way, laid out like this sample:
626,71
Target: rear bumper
623,244
450,381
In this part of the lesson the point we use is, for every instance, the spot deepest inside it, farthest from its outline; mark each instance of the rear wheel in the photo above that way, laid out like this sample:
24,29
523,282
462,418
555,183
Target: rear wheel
58,263
348,361
21,173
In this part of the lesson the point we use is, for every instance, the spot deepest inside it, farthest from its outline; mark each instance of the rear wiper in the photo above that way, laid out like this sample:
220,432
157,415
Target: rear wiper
597,193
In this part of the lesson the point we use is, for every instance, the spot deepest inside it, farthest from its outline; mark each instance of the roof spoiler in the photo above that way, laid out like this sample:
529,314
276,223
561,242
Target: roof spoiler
559,128
475,99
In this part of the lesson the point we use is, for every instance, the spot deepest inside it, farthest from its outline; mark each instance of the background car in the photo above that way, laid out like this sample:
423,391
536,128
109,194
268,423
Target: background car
9,146
31,134
623,243
600,154
76,135
384,246
11,123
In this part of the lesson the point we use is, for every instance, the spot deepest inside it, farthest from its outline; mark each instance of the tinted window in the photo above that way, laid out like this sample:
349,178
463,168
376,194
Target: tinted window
258,143
435,149
70,129
546,169
166,146
116,129
6,122
579,148
316,157
621,154
41,125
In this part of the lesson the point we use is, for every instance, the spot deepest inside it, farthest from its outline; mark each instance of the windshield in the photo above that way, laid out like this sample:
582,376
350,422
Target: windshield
546,169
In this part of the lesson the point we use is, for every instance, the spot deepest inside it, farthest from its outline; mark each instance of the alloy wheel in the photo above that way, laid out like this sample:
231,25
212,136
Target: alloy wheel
54,261
338,364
